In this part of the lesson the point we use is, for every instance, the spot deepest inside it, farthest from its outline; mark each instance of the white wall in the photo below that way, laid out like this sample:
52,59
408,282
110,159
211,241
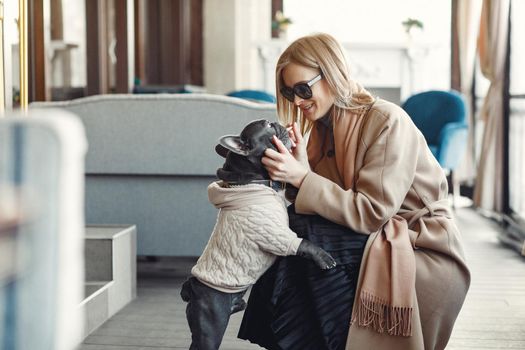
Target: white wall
232,29
11,58
379,22
74,14
131,43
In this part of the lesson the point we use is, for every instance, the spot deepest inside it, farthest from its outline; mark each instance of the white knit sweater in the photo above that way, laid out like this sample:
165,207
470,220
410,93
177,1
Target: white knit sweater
251,229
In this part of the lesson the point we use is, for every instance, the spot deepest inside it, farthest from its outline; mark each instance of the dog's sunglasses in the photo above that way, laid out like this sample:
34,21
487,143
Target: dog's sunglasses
303,90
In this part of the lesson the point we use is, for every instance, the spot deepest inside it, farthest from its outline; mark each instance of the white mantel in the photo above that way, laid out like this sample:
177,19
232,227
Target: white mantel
377,66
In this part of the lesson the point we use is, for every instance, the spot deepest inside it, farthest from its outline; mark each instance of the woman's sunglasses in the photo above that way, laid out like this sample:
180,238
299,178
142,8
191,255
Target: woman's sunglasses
303,90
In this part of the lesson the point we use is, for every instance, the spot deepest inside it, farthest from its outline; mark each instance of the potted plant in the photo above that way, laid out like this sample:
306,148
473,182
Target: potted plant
280,23
410,24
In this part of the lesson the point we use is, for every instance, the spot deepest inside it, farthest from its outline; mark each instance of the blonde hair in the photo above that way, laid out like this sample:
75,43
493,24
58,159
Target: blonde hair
322,52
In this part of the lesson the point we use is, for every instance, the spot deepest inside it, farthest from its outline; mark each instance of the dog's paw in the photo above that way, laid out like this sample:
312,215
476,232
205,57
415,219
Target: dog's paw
326,262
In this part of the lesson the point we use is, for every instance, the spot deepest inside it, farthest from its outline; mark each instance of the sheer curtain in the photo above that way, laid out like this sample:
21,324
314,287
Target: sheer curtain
468,17
492,51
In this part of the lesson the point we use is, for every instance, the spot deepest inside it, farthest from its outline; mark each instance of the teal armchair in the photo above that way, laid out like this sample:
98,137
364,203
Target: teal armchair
253,95
441,117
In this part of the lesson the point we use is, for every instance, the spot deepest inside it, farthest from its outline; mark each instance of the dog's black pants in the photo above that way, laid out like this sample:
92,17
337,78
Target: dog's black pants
208,312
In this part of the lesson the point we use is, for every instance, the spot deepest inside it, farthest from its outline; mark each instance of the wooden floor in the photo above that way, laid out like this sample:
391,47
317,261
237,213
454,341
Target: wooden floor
493,316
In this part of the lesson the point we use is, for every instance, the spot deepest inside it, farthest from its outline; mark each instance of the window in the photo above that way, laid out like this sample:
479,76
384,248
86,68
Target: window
517,112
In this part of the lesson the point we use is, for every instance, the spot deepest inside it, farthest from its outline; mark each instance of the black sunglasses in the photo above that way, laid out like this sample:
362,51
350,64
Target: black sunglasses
303,90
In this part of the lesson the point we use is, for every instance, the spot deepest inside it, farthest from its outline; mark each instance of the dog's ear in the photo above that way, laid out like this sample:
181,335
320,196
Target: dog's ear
221,150
234,144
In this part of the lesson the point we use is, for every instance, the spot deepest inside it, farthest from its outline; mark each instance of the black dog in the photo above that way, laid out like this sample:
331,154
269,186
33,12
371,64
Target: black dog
243,153
252,228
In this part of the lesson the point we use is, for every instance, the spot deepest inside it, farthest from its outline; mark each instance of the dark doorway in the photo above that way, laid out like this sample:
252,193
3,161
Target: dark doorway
168,42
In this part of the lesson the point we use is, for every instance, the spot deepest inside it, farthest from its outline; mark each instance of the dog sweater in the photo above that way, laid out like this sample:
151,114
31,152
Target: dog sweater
251,229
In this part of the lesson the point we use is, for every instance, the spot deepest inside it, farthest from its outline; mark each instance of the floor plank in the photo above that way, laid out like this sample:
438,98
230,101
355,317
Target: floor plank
493,316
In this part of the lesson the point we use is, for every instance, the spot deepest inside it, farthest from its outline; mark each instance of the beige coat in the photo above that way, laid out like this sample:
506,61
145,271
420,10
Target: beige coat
383,167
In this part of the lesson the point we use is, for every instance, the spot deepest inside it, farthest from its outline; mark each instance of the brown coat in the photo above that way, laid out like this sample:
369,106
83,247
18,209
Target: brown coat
383,167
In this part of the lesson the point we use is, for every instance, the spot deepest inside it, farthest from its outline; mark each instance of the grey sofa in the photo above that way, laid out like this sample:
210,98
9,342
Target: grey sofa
150,160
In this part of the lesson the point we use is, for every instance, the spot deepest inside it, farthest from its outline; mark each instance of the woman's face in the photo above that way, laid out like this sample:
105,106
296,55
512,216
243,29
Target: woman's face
322,99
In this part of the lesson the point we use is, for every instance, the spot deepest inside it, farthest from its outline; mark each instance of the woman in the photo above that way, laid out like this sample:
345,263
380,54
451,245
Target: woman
368,168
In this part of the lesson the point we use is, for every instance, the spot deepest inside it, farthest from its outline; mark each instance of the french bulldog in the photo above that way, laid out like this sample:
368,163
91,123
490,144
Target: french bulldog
251,230
243,165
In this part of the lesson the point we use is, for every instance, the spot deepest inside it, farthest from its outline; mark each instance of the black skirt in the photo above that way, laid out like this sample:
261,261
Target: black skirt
296,305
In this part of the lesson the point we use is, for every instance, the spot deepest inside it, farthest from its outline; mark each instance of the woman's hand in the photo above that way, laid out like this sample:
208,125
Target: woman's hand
299,145
283,166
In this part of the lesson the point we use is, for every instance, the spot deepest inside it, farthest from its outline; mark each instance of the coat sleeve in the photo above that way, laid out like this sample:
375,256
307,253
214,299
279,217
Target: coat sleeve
392,146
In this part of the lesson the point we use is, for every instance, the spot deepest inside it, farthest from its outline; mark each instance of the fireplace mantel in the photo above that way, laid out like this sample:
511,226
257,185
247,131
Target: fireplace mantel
377,66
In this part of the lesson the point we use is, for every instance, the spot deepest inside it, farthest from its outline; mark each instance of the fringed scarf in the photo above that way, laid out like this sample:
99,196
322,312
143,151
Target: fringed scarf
385,298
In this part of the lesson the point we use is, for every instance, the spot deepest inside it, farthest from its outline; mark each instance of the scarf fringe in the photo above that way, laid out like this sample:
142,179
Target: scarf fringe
373,312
